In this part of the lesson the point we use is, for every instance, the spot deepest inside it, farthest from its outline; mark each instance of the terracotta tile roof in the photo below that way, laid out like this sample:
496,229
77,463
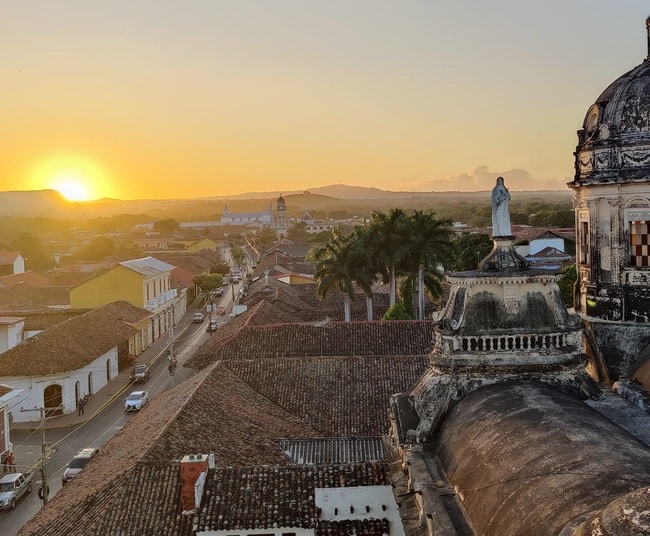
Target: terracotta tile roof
127,313
338,396
96,494
45,320
182,276
239,499
8,257
330,339
29,277
227,417
196,263
4,389
27,298
267,313
52,351
212,411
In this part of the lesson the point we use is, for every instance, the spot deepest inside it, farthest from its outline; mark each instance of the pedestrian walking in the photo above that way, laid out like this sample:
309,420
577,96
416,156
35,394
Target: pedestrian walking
80,405
10,466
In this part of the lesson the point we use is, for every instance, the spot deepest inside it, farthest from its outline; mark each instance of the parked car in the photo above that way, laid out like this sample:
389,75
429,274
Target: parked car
218,292
78,463
198,318
13,487
136,401
140,373
212,326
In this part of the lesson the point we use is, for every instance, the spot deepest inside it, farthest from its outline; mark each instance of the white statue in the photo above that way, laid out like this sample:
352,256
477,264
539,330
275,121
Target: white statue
500,210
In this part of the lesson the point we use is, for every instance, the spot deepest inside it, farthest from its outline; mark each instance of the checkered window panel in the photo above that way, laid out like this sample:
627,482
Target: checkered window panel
640,243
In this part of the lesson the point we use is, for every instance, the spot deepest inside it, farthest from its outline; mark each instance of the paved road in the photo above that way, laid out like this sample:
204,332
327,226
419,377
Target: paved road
96,431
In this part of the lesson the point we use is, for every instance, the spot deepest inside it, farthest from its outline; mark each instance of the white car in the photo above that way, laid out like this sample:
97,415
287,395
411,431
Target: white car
136,401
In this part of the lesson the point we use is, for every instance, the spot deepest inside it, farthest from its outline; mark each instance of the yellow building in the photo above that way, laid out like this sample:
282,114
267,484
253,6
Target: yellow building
145,283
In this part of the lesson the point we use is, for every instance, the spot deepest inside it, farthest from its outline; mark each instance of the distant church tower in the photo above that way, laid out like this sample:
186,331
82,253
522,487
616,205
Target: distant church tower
612,201
281,222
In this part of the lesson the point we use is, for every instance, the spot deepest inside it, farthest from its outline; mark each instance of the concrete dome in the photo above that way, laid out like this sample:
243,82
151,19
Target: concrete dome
614,142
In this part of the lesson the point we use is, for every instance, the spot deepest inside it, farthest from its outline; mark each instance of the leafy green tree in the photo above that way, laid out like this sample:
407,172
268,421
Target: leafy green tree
469,249
298,232
125,250
97,250
397,312
221,268
321,237
266,236
208,282
236,239
31,248
168,226
237,254
566,282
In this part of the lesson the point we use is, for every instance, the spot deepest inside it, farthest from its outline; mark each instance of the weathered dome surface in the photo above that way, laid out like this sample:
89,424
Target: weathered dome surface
614,142
529,459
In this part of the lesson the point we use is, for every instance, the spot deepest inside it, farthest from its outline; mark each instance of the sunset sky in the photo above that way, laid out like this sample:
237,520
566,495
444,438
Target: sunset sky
175,99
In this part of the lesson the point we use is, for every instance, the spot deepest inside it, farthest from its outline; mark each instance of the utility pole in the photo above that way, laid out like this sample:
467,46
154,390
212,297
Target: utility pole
44,487
171,334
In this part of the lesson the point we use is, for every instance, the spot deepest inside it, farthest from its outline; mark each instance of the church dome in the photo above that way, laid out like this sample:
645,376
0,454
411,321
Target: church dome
614,142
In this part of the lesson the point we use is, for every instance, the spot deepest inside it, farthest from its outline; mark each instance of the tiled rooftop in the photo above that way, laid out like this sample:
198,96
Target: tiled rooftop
50,351
229,418
27,298
267,497
338,396
29,277
329,339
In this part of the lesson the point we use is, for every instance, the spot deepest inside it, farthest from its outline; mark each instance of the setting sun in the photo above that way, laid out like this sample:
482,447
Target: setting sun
75,178
73,187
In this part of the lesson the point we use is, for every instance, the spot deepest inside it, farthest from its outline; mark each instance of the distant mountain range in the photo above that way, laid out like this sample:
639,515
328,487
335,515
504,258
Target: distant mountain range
51,204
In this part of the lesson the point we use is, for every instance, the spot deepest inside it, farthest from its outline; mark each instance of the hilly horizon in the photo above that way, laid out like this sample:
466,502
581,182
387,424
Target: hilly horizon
51,204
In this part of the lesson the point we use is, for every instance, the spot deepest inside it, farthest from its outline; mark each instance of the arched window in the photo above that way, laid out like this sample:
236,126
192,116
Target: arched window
108,370
90,383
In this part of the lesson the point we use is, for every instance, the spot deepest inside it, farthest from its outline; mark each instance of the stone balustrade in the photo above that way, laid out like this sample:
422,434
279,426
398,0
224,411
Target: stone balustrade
511,342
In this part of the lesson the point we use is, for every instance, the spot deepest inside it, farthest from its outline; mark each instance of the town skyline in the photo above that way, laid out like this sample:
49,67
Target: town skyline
163,100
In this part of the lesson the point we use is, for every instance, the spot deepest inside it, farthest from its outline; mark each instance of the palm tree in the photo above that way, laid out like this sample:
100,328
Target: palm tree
389,243
334,269
429,248
364,268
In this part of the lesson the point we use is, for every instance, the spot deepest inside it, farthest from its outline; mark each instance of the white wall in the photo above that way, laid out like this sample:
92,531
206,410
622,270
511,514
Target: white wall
11,335
34,387
19,265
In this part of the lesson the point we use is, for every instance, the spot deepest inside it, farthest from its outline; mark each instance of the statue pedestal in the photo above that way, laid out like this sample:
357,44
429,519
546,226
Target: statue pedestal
503,257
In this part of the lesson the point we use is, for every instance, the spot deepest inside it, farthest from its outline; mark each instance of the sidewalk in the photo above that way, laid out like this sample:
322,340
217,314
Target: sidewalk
113,389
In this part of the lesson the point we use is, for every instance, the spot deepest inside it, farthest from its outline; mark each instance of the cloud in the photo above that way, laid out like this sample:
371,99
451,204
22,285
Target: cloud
484,179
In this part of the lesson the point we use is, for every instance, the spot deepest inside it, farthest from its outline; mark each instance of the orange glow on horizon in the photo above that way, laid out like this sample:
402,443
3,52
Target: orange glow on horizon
75,178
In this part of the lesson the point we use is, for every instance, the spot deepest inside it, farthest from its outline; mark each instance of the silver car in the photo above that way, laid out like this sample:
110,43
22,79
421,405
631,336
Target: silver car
136,401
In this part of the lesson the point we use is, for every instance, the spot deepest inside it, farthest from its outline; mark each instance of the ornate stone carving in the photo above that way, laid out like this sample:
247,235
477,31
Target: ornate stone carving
635,158
636,114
